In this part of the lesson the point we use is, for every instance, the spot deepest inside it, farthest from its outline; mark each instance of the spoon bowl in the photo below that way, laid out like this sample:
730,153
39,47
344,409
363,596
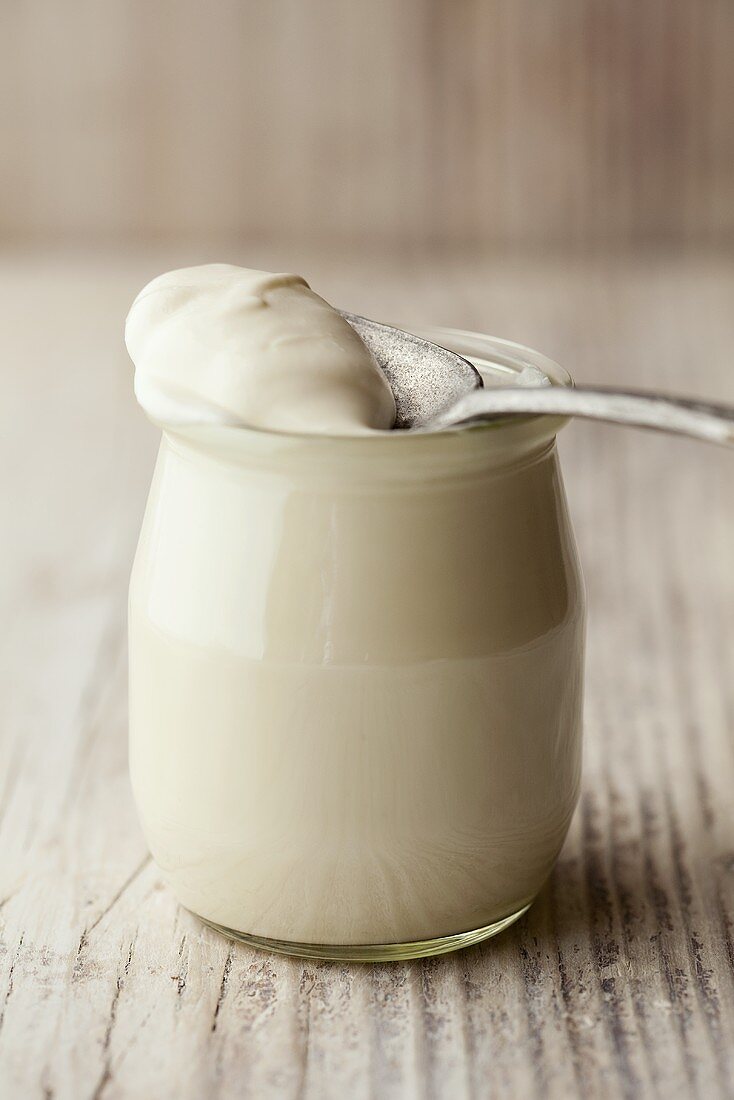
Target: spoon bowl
425,378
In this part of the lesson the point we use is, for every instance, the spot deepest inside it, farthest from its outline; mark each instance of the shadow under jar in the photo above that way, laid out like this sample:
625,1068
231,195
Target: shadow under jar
356,674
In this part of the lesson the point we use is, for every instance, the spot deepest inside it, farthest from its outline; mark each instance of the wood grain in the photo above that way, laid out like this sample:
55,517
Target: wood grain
620,980
402,122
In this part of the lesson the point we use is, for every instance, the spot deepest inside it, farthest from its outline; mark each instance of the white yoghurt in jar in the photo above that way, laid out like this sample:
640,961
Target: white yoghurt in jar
355,654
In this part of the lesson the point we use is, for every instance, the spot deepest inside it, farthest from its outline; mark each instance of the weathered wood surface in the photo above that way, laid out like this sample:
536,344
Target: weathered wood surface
529,122
618,983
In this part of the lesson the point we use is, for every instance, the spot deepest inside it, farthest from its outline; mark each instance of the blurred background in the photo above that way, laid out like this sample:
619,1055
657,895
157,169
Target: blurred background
398,124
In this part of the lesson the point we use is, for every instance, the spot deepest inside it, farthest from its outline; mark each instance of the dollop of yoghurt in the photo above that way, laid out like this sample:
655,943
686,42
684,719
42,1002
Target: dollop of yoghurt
227,345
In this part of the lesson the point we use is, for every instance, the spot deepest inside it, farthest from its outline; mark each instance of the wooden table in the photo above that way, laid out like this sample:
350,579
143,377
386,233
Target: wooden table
619,982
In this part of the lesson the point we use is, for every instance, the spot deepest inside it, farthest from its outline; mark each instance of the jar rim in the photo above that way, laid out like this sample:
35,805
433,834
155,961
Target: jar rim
505,353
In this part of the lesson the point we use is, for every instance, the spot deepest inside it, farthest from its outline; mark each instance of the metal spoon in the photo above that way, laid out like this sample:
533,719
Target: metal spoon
435,389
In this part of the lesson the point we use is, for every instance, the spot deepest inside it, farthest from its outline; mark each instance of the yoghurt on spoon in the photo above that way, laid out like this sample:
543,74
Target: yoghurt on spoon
229,345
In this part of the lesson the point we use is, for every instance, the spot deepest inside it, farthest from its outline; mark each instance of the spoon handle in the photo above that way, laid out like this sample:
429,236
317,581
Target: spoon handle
639,408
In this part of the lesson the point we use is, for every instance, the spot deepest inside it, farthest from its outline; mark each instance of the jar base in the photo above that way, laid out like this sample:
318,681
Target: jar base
370,952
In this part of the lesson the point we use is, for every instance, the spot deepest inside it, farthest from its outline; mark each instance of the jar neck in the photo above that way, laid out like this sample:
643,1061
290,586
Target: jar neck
384,458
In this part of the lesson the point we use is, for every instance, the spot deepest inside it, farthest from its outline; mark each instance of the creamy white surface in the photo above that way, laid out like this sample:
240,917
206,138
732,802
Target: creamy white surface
230,345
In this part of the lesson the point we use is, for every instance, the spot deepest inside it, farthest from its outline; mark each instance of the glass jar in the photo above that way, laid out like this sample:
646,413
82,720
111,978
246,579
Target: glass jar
356,678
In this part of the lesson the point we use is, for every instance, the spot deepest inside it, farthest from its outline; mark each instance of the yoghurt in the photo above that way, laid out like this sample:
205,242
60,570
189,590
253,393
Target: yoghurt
229,345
